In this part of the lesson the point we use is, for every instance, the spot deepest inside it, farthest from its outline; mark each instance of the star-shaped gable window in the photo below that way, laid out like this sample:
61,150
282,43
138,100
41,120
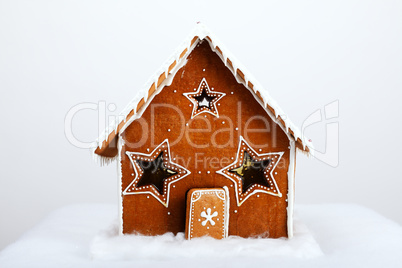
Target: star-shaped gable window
154,173
252,173
204,99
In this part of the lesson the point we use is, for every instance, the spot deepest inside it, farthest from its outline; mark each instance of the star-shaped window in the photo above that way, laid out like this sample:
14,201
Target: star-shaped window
204,99
252,172
154,173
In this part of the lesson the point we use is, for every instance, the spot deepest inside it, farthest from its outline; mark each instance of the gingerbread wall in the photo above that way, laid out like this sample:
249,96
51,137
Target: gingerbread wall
204,145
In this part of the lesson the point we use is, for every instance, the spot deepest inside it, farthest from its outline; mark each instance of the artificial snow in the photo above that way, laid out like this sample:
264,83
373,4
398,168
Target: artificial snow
337,235
110,246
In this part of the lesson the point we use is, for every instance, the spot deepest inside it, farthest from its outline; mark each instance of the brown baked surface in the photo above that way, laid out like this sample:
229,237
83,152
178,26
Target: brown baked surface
261,214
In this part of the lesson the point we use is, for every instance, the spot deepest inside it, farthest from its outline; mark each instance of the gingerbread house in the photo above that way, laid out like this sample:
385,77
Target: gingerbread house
203,127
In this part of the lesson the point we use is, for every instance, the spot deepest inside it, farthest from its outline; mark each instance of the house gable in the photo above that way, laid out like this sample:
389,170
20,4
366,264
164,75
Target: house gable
106,145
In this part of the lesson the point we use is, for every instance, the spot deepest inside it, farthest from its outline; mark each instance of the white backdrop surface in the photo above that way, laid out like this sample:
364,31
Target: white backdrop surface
56,54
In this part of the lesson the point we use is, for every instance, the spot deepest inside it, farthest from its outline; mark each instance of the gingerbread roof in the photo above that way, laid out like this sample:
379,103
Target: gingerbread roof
105,145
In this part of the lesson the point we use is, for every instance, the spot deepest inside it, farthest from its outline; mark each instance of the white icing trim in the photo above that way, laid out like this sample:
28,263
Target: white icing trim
164,198
120,143
291,187
253,189
201,31
214,110
190,211
227,210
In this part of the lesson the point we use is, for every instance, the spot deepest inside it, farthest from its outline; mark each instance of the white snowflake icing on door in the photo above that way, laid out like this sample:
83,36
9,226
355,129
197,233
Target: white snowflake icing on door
208,217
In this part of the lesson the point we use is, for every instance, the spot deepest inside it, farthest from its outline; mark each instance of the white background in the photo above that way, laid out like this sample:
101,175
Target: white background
56,54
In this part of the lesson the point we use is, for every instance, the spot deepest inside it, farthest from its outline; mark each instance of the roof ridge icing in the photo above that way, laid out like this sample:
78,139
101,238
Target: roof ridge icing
164,76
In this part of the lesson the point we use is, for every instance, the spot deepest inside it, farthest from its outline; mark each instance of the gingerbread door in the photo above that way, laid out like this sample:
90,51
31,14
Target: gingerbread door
207,213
